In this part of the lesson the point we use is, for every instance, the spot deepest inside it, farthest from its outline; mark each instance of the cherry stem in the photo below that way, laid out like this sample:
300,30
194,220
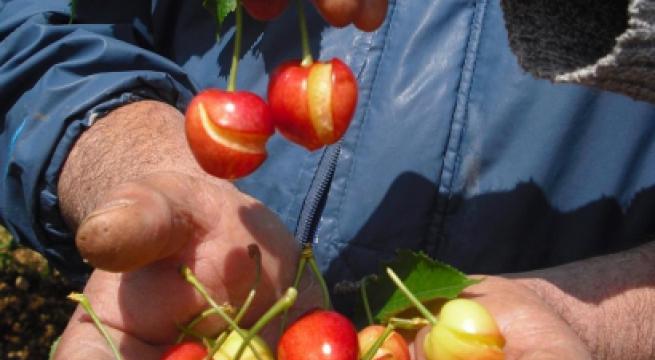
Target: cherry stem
232,82
302,262
308,253
188,328
367,306
378,342
304,36
191,279
255,254
419,306
281,305
73,7
86,305
409,324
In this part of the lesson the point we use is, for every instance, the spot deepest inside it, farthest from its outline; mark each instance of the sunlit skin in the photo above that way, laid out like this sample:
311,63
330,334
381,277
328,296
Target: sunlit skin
319,335
313,104
465,330
227,132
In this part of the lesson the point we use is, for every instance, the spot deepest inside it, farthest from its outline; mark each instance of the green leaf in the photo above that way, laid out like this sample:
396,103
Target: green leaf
220,9
426,278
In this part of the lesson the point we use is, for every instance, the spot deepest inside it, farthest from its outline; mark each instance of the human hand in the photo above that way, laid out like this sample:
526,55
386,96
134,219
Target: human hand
166,212
160,223
532,329
367,15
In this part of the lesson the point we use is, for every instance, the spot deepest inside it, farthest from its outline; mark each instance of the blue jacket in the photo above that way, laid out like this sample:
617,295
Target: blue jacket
453,149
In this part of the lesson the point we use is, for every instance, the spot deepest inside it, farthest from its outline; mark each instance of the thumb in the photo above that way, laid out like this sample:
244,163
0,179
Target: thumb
135,224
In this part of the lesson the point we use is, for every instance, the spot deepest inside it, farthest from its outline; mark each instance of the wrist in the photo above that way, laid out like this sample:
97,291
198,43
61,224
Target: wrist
128,143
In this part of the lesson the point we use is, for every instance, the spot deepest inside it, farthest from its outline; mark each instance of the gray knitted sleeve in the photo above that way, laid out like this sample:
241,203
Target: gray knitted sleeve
609,44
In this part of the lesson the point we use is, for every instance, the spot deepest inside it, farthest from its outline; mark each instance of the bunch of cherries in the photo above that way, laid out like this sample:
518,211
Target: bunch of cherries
463,329
311,103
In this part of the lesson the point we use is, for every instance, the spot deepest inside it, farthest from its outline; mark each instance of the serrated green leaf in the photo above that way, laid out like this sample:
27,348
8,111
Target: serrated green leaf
220,9
426,278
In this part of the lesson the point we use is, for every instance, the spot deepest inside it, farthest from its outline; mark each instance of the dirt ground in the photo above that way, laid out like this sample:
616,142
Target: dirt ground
33,305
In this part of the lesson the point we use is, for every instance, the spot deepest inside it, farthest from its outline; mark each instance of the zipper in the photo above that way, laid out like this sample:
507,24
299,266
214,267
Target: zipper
316,198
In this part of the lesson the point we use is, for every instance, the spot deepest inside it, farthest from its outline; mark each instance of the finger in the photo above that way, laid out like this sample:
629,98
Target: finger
544,354
338,13
136,224
371,14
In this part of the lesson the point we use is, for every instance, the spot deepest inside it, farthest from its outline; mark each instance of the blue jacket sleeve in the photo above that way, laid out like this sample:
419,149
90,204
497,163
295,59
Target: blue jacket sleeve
55,79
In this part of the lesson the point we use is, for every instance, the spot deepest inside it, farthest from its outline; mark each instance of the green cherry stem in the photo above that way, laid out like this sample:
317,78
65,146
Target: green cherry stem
191,279
232,82
304,36
378,342
409,324
281,305
256,255
302,262
73,7
308,253
86,305
188,329
367,306
419,306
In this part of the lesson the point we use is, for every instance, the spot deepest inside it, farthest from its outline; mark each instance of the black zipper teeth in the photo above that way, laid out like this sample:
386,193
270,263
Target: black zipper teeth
315,201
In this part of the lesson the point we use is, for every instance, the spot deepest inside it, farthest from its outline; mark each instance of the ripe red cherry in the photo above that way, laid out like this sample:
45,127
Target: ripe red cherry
319,335
265,10
367,15
313,104
227,131
185,351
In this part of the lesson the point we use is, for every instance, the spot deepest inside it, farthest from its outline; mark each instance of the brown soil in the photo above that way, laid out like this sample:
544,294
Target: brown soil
33,305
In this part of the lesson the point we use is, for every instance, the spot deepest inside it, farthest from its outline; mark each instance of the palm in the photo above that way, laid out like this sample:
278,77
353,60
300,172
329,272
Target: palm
532,330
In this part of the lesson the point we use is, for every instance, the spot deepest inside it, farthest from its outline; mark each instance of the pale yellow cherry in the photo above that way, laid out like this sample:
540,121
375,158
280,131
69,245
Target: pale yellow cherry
465,330
228,350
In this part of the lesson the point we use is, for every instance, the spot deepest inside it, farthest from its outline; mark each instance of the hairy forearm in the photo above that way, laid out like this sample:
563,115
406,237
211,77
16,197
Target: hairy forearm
128,143
609,301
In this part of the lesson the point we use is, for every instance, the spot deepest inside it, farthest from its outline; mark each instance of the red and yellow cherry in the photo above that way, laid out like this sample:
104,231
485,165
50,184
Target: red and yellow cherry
265,10
185,351
337,13
367,15
371,14
464,330
319,335
228,350
312,104
394,346
227,131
